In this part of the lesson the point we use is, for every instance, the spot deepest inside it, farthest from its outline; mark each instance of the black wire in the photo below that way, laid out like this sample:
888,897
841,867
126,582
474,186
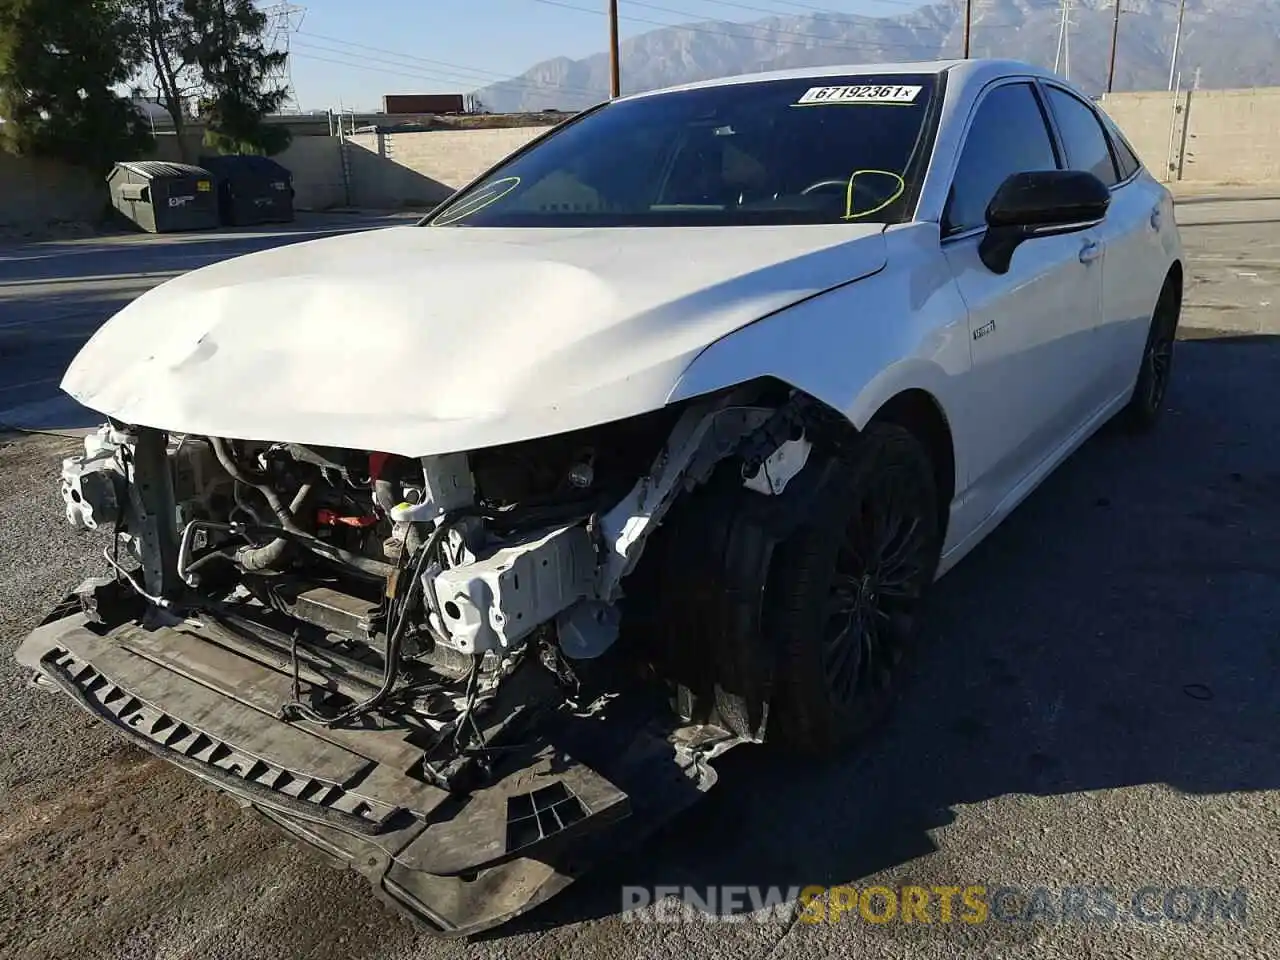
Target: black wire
473,686
293,658
395,637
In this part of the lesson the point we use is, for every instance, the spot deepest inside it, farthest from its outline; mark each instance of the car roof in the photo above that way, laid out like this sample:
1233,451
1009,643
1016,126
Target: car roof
958,71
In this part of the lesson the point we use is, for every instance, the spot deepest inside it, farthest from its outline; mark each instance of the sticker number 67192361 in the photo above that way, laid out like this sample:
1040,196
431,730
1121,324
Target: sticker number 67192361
892,93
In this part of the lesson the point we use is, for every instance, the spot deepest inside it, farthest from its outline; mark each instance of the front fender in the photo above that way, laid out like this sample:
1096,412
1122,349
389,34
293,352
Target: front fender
856,347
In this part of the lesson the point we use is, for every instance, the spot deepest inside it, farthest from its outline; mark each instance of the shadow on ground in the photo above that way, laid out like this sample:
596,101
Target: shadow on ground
1118,629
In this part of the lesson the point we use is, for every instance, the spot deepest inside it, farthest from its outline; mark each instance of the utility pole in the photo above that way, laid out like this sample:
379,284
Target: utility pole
968,25
1115,38
1177,40
615,74
1062,56
1066,44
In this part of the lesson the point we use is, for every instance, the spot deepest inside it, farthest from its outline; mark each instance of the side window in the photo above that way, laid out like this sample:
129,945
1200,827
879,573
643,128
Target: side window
1126,160
1082,136
1008,135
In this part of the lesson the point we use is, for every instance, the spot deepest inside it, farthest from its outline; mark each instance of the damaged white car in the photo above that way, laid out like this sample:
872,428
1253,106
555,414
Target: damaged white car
460,550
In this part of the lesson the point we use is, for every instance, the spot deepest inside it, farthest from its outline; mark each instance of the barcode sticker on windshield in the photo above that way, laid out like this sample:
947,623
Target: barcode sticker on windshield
898,93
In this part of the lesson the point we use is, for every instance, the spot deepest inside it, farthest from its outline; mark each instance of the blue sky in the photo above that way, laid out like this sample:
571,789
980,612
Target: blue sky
351,52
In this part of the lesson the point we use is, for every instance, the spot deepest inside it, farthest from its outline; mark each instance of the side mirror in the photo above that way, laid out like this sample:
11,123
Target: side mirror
1045,203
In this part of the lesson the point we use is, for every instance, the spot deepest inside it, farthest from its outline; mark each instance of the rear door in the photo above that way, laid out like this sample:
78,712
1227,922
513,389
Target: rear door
1032,329
1134,260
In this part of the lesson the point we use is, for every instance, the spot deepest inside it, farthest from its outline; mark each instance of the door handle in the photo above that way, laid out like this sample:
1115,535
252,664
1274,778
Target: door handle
1090,252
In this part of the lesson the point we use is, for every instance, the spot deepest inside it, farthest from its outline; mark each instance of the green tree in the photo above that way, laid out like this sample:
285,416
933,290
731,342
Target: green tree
238,70
61,62
166,33
210,55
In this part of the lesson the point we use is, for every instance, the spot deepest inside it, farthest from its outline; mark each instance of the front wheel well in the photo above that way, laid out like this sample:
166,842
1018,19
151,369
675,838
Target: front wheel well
1175,277
919,413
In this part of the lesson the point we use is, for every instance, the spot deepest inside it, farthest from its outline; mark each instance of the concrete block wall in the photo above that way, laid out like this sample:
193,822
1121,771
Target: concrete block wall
381,171
315,162
422,169
1145,119
316,165
1233,136
37,194
380,181
456,157
1208,136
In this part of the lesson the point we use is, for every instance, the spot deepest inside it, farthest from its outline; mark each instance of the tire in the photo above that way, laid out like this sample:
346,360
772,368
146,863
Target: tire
1145,406
845,592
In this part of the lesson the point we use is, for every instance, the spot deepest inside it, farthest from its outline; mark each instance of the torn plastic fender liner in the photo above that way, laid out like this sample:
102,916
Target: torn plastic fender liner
718,549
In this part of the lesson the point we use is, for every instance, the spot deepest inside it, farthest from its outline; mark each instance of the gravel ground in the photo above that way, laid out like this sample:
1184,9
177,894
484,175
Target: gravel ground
1057,733
1096,706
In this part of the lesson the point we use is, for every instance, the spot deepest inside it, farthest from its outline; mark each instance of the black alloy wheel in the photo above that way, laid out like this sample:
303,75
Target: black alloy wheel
847,592
882,566
1156,370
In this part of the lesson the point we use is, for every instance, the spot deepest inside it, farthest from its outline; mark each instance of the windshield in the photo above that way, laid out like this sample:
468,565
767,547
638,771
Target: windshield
822,150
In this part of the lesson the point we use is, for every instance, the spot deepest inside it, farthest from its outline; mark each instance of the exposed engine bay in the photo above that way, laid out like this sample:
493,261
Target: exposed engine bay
468,558
472,627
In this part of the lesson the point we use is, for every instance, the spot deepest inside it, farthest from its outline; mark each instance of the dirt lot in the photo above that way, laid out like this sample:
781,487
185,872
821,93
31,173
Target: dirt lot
1097,706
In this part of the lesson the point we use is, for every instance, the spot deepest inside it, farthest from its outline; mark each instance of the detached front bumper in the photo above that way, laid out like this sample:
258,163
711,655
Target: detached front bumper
456,864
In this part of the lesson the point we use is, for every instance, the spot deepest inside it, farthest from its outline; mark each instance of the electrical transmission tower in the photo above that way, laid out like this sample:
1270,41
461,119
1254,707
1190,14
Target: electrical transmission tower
283,21
1062,56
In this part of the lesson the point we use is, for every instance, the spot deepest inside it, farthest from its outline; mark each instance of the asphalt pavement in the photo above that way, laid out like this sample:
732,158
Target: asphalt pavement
54,295
1095,707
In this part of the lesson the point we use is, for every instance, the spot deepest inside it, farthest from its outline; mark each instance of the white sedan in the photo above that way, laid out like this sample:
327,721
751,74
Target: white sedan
697,393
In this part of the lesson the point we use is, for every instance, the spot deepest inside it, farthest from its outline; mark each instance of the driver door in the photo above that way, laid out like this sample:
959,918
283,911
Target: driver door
1033,329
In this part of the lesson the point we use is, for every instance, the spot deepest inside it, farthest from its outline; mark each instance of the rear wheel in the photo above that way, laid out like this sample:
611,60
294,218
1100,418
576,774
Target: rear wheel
845,592
1144,408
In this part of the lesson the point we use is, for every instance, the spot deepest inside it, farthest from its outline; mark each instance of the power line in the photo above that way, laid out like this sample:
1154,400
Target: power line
456,75
826,16
456,72
752,26
813,41
456,67
395,71
407,72
1215,15
475,75
312,52
809,6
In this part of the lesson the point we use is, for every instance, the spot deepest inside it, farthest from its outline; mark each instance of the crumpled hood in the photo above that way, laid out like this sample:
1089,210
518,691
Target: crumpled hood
420,340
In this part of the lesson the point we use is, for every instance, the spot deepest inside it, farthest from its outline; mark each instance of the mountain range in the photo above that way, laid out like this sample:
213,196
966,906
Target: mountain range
1233,43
